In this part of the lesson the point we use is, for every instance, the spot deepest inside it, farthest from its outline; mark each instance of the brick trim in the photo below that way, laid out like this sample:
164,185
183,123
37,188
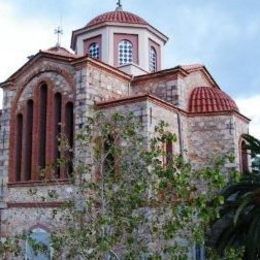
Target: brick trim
53,204
38,183
164,104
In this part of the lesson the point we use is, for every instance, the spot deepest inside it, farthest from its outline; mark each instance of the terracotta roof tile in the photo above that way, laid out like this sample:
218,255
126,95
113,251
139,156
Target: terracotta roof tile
117,17
209,99
192,66
60,51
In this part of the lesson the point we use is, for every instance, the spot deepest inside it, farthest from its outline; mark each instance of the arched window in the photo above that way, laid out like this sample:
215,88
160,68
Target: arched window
125,52
169,152
244,157
153,60
94,51
57,130
36,143
27,174
69,128
38,245
109,147
19,144
42,125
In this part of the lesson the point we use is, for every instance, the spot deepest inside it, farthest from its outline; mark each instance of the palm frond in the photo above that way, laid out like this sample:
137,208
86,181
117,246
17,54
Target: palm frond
253,144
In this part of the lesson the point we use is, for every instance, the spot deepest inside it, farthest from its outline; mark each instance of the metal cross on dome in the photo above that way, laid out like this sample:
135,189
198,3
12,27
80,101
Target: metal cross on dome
59,32
119,3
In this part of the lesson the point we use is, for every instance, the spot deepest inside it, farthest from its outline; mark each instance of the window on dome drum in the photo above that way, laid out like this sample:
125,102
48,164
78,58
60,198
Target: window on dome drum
39,239
125,52
94,51
153,60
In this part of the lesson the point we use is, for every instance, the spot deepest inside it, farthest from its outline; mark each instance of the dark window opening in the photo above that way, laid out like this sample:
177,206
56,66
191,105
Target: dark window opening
42,126
109,162
244,155
57,131
69,128
19,145
169,152
28,141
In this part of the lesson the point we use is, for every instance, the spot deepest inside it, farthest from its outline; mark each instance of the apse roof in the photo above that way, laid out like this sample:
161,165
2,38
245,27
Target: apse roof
210,99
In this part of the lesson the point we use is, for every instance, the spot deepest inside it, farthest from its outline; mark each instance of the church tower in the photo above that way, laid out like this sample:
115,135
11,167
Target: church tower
123,40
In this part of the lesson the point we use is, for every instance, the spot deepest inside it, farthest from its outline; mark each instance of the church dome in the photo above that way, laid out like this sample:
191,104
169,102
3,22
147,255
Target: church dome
208,99
117,16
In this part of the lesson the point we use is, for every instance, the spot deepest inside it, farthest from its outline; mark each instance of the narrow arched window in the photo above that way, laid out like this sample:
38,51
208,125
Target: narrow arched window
153,60
19,144
28,142
38,245
125,52
109,148
244,157
57,130
169,152
94,51
69,128
42,125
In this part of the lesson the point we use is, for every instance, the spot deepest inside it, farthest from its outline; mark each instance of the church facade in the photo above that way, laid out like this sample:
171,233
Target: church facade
116,65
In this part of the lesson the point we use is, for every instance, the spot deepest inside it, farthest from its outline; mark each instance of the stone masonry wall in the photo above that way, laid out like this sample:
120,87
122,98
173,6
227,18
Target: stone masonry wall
94,84
240,127
150,114
16,218
209,137
165,88
174,88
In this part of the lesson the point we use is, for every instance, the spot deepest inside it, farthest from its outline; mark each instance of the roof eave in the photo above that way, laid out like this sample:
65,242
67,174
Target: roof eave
224,112
40,54
161,73
85,29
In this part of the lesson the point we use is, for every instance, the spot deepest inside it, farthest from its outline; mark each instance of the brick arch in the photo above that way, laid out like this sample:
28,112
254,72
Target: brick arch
39,75
41,226
41,80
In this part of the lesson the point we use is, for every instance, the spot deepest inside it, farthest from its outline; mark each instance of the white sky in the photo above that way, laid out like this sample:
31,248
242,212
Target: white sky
22,35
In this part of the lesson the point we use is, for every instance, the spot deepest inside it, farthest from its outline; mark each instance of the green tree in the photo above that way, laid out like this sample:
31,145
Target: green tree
253,144
125,202
239,225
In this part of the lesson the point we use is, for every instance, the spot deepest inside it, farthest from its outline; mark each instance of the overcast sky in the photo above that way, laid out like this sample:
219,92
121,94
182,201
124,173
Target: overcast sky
222,34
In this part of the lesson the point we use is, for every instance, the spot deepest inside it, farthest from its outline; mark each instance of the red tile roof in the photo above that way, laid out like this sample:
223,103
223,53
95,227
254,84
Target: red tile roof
209,99
192,66
57,50
117,17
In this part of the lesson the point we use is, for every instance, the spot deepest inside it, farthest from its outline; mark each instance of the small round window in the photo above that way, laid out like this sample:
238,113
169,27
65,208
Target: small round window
125,52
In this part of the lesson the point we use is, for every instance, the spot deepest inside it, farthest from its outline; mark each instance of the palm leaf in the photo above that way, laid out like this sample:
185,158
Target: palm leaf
253,144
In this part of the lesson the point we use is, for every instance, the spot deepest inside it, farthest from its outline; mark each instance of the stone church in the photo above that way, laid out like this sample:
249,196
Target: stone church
116,64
